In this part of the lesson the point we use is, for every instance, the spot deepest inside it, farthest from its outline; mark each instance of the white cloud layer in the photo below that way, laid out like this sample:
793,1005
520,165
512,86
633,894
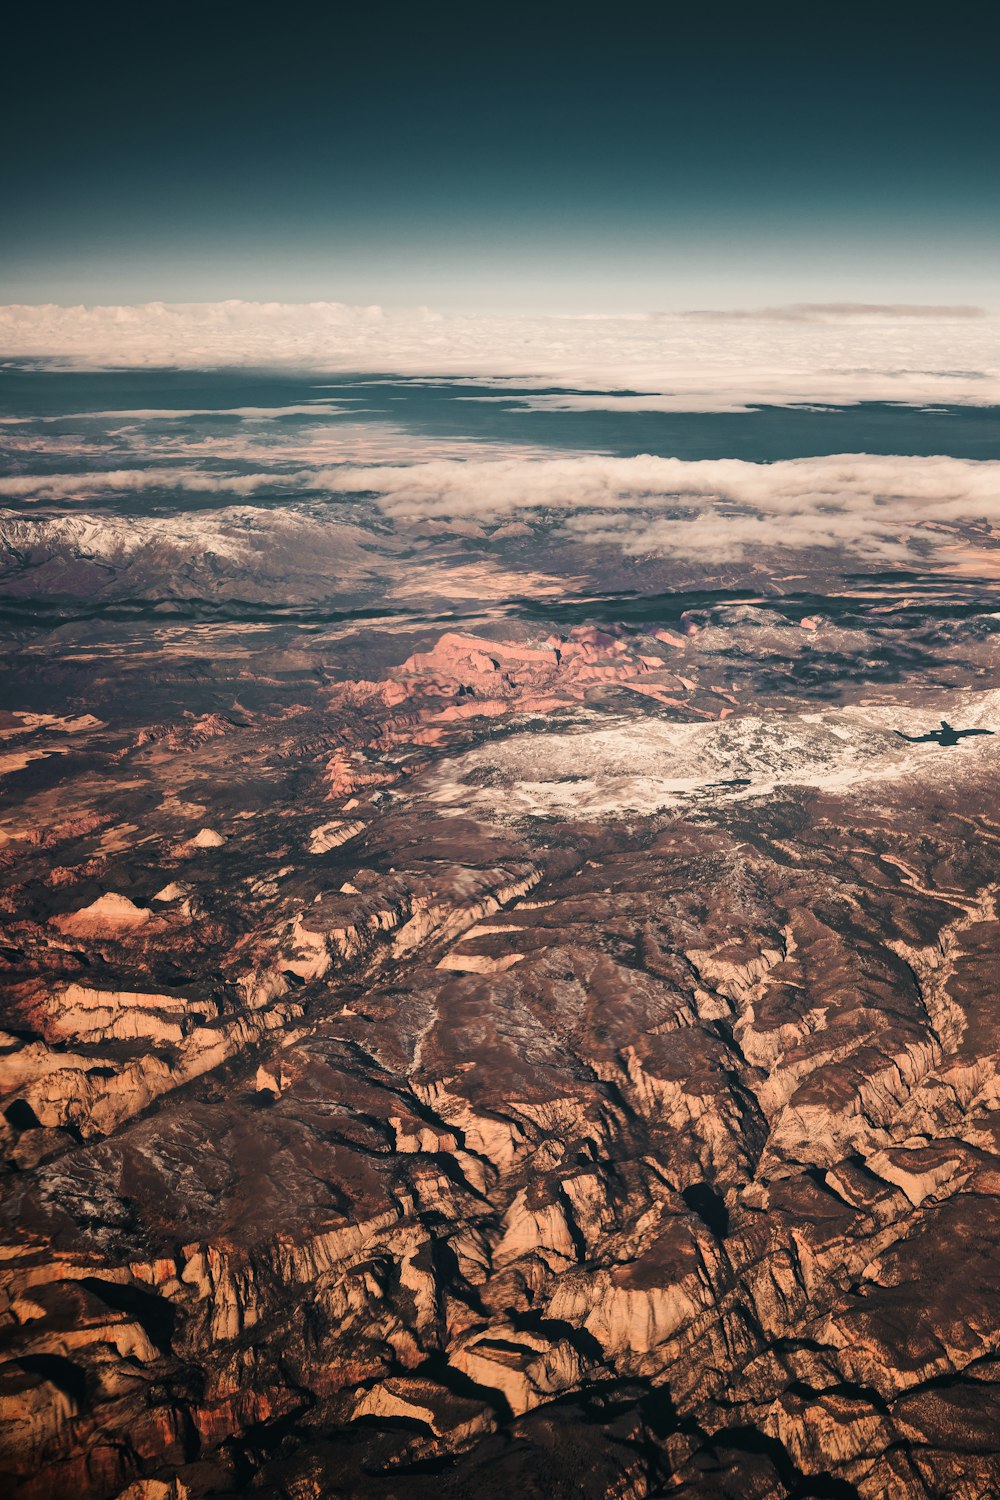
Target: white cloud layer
316,407
865,504
456,487
56,487
820,353
839,312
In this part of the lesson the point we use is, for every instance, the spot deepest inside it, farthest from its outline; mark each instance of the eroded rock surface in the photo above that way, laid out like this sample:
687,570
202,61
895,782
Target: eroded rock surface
380,1153
546,1056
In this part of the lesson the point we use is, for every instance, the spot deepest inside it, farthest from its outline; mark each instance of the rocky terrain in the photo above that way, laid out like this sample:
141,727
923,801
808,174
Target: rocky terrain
549,1050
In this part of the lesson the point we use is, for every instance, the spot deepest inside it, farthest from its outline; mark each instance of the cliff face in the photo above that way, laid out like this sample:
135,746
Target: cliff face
368,1141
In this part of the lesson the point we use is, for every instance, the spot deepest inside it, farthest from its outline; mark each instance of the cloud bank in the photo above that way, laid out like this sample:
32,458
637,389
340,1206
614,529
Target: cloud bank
860,503
836,312
863,504
448,487
809,353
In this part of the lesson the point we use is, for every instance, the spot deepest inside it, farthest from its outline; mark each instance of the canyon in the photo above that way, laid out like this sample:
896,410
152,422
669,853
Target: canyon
361,1145
484,1010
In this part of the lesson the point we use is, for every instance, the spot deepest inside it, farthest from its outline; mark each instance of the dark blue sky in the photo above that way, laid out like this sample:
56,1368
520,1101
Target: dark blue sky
572,156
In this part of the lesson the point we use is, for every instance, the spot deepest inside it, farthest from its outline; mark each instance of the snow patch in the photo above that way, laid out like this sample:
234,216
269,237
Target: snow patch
649,765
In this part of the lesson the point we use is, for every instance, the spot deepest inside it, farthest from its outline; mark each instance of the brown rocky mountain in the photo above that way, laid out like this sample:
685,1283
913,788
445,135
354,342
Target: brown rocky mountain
485,1013
364,1142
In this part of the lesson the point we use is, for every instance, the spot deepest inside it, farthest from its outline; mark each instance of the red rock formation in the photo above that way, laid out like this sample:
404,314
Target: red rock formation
356,1151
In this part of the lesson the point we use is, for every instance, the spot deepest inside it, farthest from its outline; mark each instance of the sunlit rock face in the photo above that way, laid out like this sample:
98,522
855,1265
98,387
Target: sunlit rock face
543,1045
